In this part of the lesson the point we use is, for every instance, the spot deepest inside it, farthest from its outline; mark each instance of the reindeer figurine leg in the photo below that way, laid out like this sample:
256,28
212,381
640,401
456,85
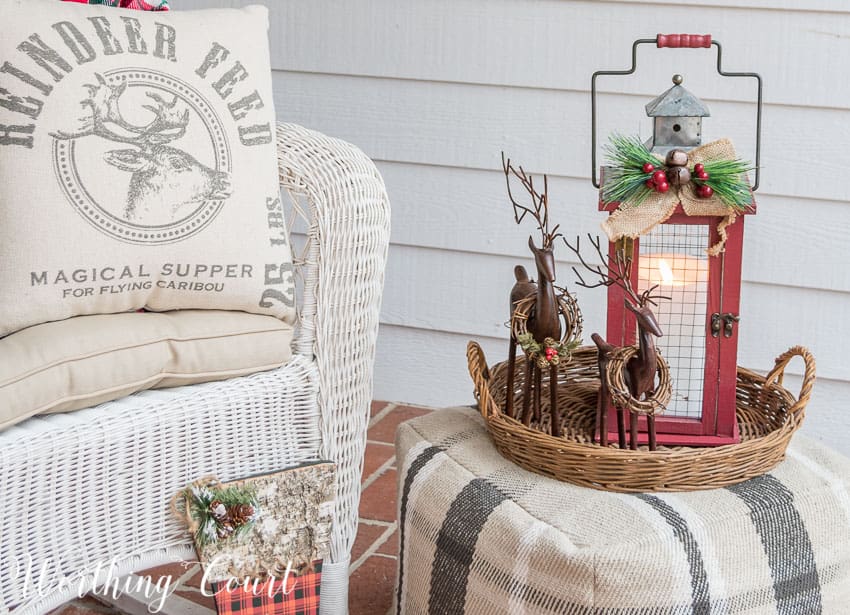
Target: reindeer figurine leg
509,389
621,428
538,384
601,418
633,428
526,393
603,400
553,401
650,427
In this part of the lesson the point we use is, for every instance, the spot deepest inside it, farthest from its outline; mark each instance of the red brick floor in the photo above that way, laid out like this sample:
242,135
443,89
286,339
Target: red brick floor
373,557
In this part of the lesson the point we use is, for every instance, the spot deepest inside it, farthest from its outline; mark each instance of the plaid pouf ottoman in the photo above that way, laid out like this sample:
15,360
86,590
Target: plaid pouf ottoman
481,535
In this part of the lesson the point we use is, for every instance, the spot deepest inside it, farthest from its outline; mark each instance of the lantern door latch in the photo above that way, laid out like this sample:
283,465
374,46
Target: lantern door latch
725,322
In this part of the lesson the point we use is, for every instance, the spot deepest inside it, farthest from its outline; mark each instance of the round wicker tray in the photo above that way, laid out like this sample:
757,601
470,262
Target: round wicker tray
768,415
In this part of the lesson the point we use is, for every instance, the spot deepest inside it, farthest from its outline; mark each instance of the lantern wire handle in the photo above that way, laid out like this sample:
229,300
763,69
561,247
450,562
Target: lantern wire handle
757,77
631,70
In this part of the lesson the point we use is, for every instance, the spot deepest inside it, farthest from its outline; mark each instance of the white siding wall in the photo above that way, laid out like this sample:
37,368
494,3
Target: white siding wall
433,90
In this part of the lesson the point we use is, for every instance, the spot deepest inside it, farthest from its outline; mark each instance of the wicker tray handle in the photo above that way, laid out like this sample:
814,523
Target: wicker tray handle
480,374
777,375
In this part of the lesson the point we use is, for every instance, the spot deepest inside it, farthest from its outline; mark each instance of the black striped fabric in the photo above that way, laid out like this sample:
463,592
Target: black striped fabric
420,462
456,545
786,544
753,550
701,604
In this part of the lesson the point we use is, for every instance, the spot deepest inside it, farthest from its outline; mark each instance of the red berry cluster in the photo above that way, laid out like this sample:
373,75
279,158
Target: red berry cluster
551,353
703,190
658,180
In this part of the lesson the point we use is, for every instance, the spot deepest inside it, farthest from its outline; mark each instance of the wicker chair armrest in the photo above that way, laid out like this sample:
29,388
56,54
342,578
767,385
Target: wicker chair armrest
346,253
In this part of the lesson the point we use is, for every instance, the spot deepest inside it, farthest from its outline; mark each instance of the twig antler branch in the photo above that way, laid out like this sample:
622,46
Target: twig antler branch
617,272
540,201
169,123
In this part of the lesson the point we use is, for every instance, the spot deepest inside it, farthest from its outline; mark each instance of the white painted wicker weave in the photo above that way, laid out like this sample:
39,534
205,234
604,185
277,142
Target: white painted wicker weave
92,486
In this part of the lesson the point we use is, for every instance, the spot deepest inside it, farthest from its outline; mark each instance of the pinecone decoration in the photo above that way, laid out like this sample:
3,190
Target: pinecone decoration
218,510
240,514
225,529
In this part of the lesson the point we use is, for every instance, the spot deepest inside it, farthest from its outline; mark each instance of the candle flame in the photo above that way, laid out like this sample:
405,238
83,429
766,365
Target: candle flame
666,272
672,270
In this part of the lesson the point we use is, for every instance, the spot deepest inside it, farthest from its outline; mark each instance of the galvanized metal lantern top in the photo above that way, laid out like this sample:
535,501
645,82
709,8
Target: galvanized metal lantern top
677,117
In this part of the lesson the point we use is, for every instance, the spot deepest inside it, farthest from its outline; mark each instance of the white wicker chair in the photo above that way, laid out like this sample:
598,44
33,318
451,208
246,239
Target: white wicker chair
93,485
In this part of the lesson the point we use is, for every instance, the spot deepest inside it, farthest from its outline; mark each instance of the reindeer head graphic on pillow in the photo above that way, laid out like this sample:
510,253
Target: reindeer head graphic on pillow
164,178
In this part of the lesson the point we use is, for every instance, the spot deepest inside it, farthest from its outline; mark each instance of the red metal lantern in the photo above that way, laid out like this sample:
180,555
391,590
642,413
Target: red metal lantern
700,321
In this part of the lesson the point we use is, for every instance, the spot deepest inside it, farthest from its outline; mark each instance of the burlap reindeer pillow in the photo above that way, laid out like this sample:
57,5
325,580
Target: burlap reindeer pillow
137,163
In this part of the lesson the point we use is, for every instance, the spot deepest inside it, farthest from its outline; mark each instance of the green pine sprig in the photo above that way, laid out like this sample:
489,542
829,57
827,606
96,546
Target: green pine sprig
201,499
728,180
625,181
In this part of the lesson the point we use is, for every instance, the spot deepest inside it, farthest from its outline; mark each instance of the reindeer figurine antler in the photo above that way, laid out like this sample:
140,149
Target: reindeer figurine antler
642,367
544,321
540,202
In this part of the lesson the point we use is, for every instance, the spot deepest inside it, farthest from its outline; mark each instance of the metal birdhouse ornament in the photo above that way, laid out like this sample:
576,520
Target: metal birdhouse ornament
672,270
677,119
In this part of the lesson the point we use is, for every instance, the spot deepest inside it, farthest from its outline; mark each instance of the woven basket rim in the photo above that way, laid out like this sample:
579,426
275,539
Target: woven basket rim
702,465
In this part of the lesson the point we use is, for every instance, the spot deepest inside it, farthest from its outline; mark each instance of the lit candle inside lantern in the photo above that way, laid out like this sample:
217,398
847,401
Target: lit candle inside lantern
667,277
683,278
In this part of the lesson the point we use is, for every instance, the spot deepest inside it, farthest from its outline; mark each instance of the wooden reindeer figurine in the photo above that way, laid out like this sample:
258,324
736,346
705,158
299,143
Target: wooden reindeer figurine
522,289
544,319
604,397
642,367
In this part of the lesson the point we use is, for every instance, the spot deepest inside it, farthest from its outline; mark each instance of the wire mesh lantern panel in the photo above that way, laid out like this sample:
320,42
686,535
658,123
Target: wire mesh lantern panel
699,322
673,259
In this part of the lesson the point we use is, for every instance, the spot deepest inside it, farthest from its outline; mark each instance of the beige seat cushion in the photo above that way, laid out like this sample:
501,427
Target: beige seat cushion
87,360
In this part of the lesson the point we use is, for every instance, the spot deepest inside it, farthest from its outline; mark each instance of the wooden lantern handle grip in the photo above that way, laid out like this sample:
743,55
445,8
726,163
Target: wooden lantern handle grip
689,41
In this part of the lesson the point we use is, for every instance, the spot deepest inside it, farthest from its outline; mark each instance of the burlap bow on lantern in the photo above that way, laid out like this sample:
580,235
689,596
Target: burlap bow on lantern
635,220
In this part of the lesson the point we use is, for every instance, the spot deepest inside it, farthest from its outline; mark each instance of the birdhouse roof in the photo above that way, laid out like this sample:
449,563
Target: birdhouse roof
677,102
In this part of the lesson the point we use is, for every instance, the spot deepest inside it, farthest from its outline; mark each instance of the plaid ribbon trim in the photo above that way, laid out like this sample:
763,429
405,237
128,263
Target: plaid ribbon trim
302,599
139,5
